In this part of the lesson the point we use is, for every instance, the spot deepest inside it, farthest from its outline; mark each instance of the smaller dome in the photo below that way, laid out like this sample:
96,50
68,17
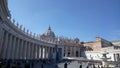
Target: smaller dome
49,32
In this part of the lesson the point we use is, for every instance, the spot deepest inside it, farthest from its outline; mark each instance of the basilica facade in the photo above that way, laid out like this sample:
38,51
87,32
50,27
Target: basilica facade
18,43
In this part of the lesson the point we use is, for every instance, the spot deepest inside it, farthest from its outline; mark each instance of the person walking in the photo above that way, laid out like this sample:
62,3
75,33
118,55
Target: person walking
80,66
42,65
65,65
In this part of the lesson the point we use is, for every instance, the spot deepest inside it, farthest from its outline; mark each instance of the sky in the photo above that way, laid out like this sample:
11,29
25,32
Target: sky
85,19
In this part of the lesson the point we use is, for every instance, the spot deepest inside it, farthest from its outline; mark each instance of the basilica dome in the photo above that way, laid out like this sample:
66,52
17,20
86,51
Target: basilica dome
49,33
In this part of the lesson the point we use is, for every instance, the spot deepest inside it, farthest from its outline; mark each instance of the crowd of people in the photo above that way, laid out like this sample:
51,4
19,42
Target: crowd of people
24,63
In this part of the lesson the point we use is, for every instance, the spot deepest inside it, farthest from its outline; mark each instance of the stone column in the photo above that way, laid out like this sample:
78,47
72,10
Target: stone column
13,49
9,47
1,39
32,51
1,35
18,48
70,51
49,52
62,51
119,56
74,51
29,50
5,46
78,51
2,42
115,57
37,51
25,54
21,49
41,52
44,52
66,52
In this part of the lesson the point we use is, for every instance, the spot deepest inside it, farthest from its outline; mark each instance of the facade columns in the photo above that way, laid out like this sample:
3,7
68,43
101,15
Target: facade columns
1,35
5,46
13,49
17,49
1,38
49,52
78,51
29,44
21,50
114,57
44,52
66,51
63,51
9,47
33,51
70,51
74,51
41,52
2,42
37,51
117,57
25,54
52,52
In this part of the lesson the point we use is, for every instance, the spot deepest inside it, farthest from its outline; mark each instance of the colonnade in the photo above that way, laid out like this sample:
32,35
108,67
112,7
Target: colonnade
14,47
71,51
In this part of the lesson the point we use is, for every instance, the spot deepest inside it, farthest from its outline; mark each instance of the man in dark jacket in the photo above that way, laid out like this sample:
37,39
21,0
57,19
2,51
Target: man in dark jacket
65,65
80,66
